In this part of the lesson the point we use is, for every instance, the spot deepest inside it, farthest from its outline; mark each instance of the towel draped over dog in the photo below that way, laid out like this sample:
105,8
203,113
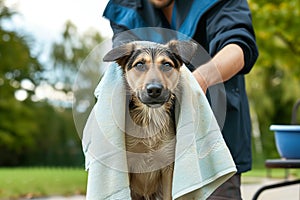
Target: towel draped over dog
202,159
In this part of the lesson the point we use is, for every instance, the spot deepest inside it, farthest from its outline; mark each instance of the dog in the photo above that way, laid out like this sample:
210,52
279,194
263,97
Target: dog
152,74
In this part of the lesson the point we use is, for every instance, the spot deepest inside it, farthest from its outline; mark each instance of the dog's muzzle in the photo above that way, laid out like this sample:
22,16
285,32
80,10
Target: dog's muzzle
154,95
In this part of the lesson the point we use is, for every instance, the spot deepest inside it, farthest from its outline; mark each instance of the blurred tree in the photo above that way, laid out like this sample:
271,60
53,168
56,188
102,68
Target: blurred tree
17,125
35,131
57,143
78,57
274,83
68,53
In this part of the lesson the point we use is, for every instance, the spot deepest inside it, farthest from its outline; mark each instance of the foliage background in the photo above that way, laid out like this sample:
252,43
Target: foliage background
41,131
274,83
38,131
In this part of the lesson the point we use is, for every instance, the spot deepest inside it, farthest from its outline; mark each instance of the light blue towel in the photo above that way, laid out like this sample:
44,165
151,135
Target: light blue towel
202,159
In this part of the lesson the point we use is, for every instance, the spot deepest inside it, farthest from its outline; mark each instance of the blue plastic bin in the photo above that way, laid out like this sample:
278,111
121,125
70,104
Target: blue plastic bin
287,138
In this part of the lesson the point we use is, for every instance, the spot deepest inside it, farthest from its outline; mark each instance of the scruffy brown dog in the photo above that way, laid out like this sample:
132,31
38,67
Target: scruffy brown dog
152,73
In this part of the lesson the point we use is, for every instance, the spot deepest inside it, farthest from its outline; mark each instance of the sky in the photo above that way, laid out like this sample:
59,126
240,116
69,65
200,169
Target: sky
44,19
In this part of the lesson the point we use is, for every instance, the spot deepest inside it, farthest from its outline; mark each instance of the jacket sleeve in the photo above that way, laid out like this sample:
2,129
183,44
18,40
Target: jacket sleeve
230,22
121,35
123,17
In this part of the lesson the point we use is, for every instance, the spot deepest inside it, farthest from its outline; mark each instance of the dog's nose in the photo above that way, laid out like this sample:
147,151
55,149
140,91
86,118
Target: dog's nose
154,89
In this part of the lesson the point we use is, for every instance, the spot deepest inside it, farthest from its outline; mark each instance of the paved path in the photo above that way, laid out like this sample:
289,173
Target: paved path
284,193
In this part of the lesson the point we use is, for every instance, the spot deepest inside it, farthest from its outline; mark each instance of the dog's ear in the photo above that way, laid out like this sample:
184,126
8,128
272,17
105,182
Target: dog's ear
185,50
119,54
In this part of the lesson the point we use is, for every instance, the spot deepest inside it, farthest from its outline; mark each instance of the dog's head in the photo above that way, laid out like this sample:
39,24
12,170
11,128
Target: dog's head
152,70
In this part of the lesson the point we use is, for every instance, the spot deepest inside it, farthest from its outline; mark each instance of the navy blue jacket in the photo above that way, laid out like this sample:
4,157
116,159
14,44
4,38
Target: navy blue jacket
213,24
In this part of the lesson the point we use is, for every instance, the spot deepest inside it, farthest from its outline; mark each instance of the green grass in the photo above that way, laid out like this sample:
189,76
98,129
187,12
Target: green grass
272,173
37,182
257,175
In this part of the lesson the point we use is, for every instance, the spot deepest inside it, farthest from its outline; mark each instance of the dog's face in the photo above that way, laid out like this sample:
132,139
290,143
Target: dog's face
152,70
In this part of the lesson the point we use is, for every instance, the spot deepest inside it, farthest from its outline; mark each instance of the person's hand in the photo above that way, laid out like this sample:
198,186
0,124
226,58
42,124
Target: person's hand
200,79
228,62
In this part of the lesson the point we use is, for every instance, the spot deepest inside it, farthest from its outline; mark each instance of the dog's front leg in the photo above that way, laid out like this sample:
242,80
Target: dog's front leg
167,181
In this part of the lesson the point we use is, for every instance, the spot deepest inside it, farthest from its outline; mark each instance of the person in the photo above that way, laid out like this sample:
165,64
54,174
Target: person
224,29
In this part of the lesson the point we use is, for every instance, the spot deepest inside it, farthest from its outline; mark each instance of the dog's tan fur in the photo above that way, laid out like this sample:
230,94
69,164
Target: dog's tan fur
146,63
159,147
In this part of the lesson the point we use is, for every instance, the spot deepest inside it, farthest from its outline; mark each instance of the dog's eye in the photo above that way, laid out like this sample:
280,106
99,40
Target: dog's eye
140,66
166,66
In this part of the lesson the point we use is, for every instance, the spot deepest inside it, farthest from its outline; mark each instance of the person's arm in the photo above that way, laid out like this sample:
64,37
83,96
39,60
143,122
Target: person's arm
231,43
224,65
